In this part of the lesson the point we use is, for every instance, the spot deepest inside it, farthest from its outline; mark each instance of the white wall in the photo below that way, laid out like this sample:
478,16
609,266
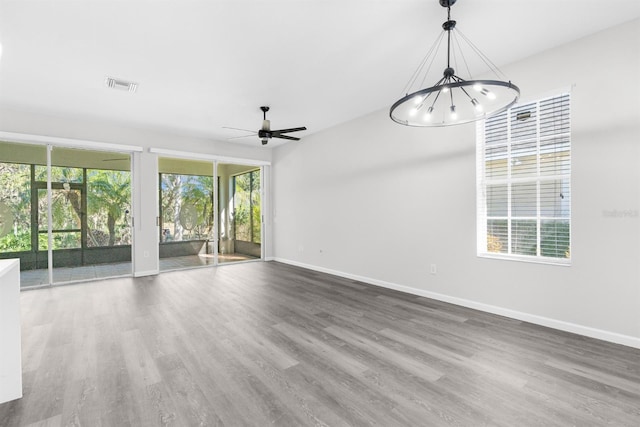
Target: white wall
380,202
145,254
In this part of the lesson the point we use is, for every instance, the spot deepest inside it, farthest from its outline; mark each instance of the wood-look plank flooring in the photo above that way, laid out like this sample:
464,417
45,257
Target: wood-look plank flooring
262,344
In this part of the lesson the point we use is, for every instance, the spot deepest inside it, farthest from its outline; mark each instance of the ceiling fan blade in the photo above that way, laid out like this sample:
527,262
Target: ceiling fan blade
243,136
244,130
292,138
289,130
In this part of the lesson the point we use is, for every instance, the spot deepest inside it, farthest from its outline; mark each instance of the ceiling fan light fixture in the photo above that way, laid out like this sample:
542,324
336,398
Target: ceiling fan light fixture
449,101
265,133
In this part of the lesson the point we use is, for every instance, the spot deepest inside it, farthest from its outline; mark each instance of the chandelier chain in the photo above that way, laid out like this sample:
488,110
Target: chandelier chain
416,74
449,37
493,67
464,59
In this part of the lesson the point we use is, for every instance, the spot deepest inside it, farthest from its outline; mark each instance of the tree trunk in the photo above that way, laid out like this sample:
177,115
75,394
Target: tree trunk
73,197
111,224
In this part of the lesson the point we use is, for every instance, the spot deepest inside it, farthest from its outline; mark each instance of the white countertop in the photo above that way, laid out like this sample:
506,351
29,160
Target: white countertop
6,264
10,356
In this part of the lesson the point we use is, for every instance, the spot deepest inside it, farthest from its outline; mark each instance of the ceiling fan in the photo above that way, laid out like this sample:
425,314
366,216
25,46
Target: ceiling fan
265,133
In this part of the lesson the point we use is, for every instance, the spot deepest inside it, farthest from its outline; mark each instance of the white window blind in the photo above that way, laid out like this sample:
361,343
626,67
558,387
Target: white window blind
524,182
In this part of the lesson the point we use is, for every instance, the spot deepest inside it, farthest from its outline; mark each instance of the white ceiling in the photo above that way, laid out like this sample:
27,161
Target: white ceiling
202,65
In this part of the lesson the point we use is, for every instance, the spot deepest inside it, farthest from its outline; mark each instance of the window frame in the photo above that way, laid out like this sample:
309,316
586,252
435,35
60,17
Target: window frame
483,182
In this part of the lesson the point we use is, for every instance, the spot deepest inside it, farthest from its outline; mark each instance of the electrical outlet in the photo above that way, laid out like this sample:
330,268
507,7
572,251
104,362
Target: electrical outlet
433,269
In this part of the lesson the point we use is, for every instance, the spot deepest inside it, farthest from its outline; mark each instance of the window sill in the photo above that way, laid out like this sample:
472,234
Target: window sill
562,262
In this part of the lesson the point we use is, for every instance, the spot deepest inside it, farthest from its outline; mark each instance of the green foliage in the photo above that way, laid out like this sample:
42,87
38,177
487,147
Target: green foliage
241,222
59,174
187,206
555,239
15,194
15,242
247,216
256,219
60,241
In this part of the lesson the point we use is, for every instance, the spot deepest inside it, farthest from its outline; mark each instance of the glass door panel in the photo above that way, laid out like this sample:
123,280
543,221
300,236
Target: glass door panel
108,208
91,211
240,213
186,213
19,237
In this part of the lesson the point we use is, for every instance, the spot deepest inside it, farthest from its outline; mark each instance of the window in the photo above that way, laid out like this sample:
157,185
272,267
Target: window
246,207
107,195
524,182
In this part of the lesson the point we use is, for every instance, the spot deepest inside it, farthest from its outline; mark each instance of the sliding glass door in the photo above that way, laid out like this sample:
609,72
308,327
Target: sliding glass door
66,213
91,213
73,215
205,221
186,212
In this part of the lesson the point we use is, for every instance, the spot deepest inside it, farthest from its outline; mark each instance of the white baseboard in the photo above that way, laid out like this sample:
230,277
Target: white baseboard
501,311
146,273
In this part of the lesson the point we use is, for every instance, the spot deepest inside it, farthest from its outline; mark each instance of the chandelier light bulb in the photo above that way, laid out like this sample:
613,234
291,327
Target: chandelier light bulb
477,105
417,100
488,93
428,114
454,114
445,89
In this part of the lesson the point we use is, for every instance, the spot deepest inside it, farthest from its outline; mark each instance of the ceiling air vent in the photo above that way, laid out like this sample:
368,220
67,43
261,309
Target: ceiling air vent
120,84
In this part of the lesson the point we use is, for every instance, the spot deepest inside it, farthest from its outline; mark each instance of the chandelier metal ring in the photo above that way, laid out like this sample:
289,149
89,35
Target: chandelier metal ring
432,106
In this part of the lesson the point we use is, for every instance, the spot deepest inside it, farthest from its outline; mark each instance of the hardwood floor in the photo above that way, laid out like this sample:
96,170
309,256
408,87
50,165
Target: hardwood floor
260,344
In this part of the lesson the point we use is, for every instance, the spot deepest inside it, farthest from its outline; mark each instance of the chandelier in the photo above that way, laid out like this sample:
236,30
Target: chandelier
452,99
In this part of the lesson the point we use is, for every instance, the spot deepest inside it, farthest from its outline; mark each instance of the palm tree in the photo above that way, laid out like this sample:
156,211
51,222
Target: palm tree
109,192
